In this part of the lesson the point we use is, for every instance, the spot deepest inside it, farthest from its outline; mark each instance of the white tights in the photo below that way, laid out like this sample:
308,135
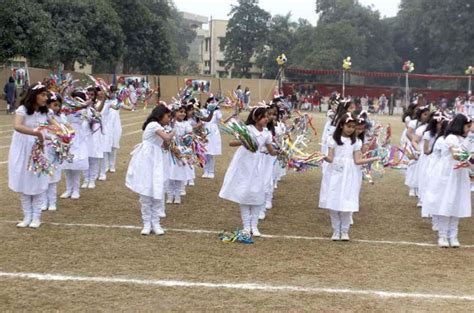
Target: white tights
341,221
31,206
249,215
448,226
150,208
210,165
73,180
92,173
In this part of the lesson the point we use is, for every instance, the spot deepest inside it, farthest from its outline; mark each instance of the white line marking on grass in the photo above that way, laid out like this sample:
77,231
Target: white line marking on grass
3,162
238,286
204,231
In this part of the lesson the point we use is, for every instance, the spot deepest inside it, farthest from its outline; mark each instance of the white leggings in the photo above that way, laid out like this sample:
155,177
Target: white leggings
50,196
448,226
92,173
175,187
210,165
249,215
73,180
31,206
150,208
341,221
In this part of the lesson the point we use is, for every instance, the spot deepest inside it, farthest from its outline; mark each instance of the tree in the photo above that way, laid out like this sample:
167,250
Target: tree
245,36
24,29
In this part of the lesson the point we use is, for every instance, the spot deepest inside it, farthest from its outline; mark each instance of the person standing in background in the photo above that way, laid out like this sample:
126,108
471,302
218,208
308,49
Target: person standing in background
10,95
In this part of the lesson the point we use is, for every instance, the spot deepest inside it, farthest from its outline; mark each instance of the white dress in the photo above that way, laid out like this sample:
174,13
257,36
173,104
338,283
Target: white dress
411,179
327,131
56,177
107,127
95,140
20,179
214,142
178,170
340,186
244,180
79,146
145,172
423,163
450,193
115,125
433,185
278,170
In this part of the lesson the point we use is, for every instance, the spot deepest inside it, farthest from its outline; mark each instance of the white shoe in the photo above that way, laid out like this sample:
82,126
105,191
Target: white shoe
336,236
443,242
158,230
183,192
177,200
103,177
169,199
412,193
35,224
161,214
205,175
268,205
434,227
454,242
345,237
255,232
107,169
44,209
191,182
65,195
25,223
261,215
275,186
112,170
91,185
85,184
418,205
52,207
75,196
146,230
210,175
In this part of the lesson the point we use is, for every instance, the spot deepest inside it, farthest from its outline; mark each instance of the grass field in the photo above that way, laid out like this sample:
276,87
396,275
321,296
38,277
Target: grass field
89,255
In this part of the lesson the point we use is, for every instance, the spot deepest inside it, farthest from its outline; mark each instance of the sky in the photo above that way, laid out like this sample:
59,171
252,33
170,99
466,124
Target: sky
219,9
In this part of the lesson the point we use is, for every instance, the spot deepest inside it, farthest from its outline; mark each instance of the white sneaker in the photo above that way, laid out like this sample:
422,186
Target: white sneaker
146,230
91,185
52,207
112,170
25,223
336,236
191,182
75,196
345,237
412,193
454,242
275,186
261,215
177,200
443,242
169,199
158,230
85,184
161,214
44,209
255,232
35,224
268,205
65,195
183,192
103,177
205,175
418,205
210,175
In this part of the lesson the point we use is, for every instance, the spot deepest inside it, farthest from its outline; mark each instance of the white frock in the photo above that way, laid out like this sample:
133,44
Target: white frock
95,140
115,126
340,186
278,170
411,179
450,193
179,170
79,146
214,142
20,179
145,172
433,178
107,127
244,180
423,163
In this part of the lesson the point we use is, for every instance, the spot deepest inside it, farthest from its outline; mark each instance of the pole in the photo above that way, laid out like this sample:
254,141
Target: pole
406,91
469,92
343,83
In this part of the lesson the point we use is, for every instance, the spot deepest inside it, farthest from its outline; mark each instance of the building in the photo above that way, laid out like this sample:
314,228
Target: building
205,49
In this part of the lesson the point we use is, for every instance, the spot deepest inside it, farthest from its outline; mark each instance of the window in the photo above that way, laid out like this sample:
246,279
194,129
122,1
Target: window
221,63
208,41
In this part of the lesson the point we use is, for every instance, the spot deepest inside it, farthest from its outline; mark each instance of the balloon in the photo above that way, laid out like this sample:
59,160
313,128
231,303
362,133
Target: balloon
281,59
347,64
470,70
408,66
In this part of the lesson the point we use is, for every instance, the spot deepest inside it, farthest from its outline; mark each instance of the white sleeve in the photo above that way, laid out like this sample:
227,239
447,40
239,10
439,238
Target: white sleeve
21,111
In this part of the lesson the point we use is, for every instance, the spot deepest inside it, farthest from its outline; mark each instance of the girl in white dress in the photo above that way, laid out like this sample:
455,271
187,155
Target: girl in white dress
145,174
340,185
214,142
80,161
414,133
408,115
192,121
244,181
178,171
450,198
31,114
50,196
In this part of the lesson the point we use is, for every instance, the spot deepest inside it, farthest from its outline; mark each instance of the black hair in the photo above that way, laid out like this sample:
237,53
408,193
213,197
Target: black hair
271,124
456,126
156,115
362,119
444,125
432,124
57,98
420,111
94,90
113,88
11,79
410,111
346,118
189,108
79,94
255,115
29,100
341,110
